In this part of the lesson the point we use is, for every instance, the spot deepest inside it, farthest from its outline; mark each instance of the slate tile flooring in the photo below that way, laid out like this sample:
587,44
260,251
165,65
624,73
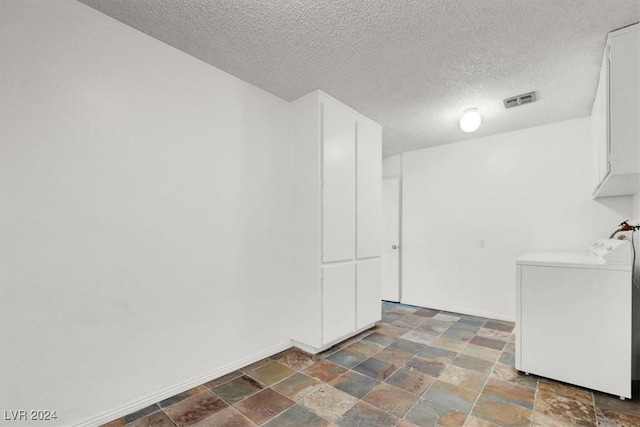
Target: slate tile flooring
417,367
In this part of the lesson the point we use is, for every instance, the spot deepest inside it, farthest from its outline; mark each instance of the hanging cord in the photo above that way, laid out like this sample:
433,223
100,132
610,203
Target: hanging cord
633,266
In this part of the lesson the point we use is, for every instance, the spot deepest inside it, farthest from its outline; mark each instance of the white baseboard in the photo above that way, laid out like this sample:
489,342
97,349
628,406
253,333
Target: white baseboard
143,402
461,310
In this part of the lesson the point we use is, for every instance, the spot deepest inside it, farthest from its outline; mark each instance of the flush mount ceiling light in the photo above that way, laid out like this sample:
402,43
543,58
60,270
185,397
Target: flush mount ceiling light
470,120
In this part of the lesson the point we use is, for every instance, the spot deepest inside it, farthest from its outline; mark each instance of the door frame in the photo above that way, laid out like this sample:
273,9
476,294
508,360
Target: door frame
400,247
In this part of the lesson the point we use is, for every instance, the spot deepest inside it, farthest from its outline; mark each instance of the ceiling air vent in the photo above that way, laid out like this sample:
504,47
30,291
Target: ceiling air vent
515,101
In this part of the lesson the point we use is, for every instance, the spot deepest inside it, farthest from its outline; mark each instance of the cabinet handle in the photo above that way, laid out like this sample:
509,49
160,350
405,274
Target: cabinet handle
394,247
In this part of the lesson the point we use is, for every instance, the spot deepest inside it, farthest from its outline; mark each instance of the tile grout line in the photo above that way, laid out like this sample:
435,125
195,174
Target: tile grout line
169,416
535,402
595,409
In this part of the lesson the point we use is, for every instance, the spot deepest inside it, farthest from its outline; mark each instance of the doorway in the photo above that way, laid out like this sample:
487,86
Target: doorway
390,259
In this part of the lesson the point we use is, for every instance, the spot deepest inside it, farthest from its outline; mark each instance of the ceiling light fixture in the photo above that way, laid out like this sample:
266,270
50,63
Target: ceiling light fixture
470,120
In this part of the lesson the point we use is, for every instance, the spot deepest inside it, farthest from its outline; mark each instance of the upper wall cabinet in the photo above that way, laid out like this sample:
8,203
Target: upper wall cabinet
615,118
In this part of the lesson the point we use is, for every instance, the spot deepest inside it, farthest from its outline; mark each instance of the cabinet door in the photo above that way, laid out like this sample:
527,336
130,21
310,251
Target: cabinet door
338,301
368,187
368,293
600,126
624,102
339,183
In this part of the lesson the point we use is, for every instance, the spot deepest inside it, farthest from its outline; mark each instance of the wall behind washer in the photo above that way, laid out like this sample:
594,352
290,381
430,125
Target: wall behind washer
522,191
145,214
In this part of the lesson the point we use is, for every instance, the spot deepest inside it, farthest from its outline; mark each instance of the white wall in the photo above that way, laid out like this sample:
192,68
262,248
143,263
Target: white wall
521,191
392,166
145,214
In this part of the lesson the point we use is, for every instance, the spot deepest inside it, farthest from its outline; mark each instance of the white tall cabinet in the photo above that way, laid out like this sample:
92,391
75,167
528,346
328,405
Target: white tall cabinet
336,218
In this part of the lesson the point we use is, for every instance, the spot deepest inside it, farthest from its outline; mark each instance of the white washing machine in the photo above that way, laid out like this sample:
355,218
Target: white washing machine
574,316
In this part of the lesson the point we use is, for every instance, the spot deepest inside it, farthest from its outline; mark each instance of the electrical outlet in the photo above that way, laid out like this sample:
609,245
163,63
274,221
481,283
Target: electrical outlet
483,243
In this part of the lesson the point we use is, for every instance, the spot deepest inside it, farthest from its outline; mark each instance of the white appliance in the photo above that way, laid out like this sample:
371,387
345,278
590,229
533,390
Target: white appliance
574,316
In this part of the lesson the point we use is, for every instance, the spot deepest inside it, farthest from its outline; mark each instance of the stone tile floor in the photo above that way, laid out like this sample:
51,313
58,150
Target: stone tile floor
417,367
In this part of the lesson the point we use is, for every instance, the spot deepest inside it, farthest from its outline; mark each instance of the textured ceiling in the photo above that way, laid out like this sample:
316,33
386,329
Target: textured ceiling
413,66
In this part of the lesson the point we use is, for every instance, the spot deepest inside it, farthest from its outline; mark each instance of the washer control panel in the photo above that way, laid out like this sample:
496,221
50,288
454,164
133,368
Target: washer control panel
612,250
